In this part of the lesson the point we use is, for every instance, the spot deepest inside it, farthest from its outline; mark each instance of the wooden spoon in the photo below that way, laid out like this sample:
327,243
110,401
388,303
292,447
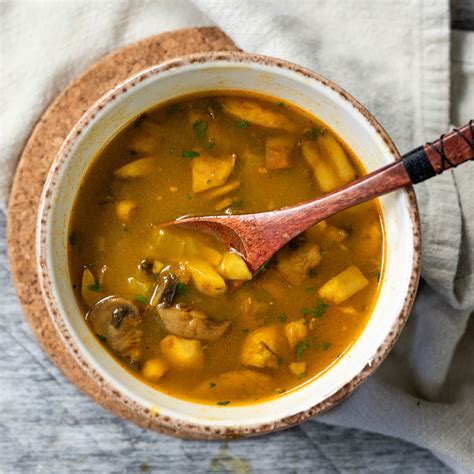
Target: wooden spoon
258,236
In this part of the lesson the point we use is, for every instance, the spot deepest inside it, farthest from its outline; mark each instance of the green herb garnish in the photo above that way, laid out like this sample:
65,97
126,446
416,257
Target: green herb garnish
280,361
189,154
241,124
281,104
101,338
300,348
181,289
326,345
282,318
95,287
209,144
316,311
189,196
73,238
223,403
200,128
377,274
212,385
302,375
140,299
315,132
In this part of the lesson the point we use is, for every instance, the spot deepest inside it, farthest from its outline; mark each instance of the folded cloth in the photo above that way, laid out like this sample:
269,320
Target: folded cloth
395,58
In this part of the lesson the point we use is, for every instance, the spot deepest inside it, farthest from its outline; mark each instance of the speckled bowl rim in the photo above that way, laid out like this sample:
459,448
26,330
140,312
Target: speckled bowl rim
142,415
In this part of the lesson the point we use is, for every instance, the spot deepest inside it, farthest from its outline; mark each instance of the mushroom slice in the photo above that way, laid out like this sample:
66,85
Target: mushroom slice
191,323
116,321
165,290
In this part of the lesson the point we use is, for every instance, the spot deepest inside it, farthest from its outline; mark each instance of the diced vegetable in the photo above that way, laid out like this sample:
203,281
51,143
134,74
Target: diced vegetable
295,332
154,369
344,285
245,382
124,209
298,368
182,353
253,112
252,311
326,177
278,151
137,169
233,267
210,255
209,172
261,348
205,278
294,265
91,290
157,266
226,202
222,190
330,148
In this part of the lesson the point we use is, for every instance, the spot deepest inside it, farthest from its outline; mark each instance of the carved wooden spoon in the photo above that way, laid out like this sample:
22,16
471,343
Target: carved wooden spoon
258,236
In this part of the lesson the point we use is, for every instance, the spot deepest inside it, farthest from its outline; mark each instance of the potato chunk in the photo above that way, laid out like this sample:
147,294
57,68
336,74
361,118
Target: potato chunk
296,331
258,114
329,148
137,168
209,172
252,311
243,382
278,151
223,190
205,278
344,285
91,291
154,369
124,209
298,368
182,353
326,177
261,348
294,265
233,267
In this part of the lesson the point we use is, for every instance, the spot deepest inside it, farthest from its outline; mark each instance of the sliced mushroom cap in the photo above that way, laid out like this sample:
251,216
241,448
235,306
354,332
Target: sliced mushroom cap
165,290
116,320
192,324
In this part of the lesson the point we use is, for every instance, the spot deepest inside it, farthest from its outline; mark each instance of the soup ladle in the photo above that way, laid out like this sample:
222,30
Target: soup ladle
259,235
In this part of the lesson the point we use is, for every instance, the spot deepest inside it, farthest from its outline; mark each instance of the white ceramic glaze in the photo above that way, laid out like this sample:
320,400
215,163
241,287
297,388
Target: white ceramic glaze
297,86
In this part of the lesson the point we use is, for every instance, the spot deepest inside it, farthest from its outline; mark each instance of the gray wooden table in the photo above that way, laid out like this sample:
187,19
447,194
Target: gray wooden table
47,425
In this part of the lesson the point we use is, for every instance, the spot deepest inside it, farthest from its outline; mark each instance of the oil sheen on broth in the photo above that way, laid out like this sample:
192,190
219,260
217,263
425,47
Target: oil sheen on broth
161,302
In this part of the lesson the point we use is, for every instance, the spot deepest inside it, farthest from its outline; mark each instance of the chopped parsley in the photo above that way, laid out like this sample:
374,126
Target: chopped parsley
101,338
73,238
200,127
322,346
138,121
280,361
281,104
315,132
189,154
189,196
140,299
316,311
241,124
282,318
95,287
209,144
377,274
300,348
223,403
302,375
212,385
181,289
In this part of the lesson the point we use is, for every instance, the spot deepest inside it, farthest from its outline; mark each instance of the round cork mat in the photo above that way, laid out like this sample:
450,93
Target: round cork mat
38,154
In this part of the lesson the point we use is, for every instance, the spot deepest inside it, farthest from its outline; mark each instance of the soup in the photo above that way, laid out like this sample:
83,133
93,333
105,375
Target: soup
178,309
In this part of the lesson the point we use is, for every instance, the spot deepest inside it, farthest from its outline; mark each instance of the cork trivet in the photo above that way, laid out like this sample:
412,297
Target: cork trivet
33,167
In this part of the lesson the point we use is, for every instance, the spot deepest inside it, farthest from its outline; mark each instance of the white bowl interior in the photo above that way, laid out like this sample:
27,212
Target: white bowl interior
319,100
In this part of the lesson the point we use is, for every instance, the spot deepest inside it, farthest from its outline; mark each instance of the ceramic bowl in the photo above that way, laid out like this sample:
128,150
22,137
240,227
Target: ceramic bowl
221,71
